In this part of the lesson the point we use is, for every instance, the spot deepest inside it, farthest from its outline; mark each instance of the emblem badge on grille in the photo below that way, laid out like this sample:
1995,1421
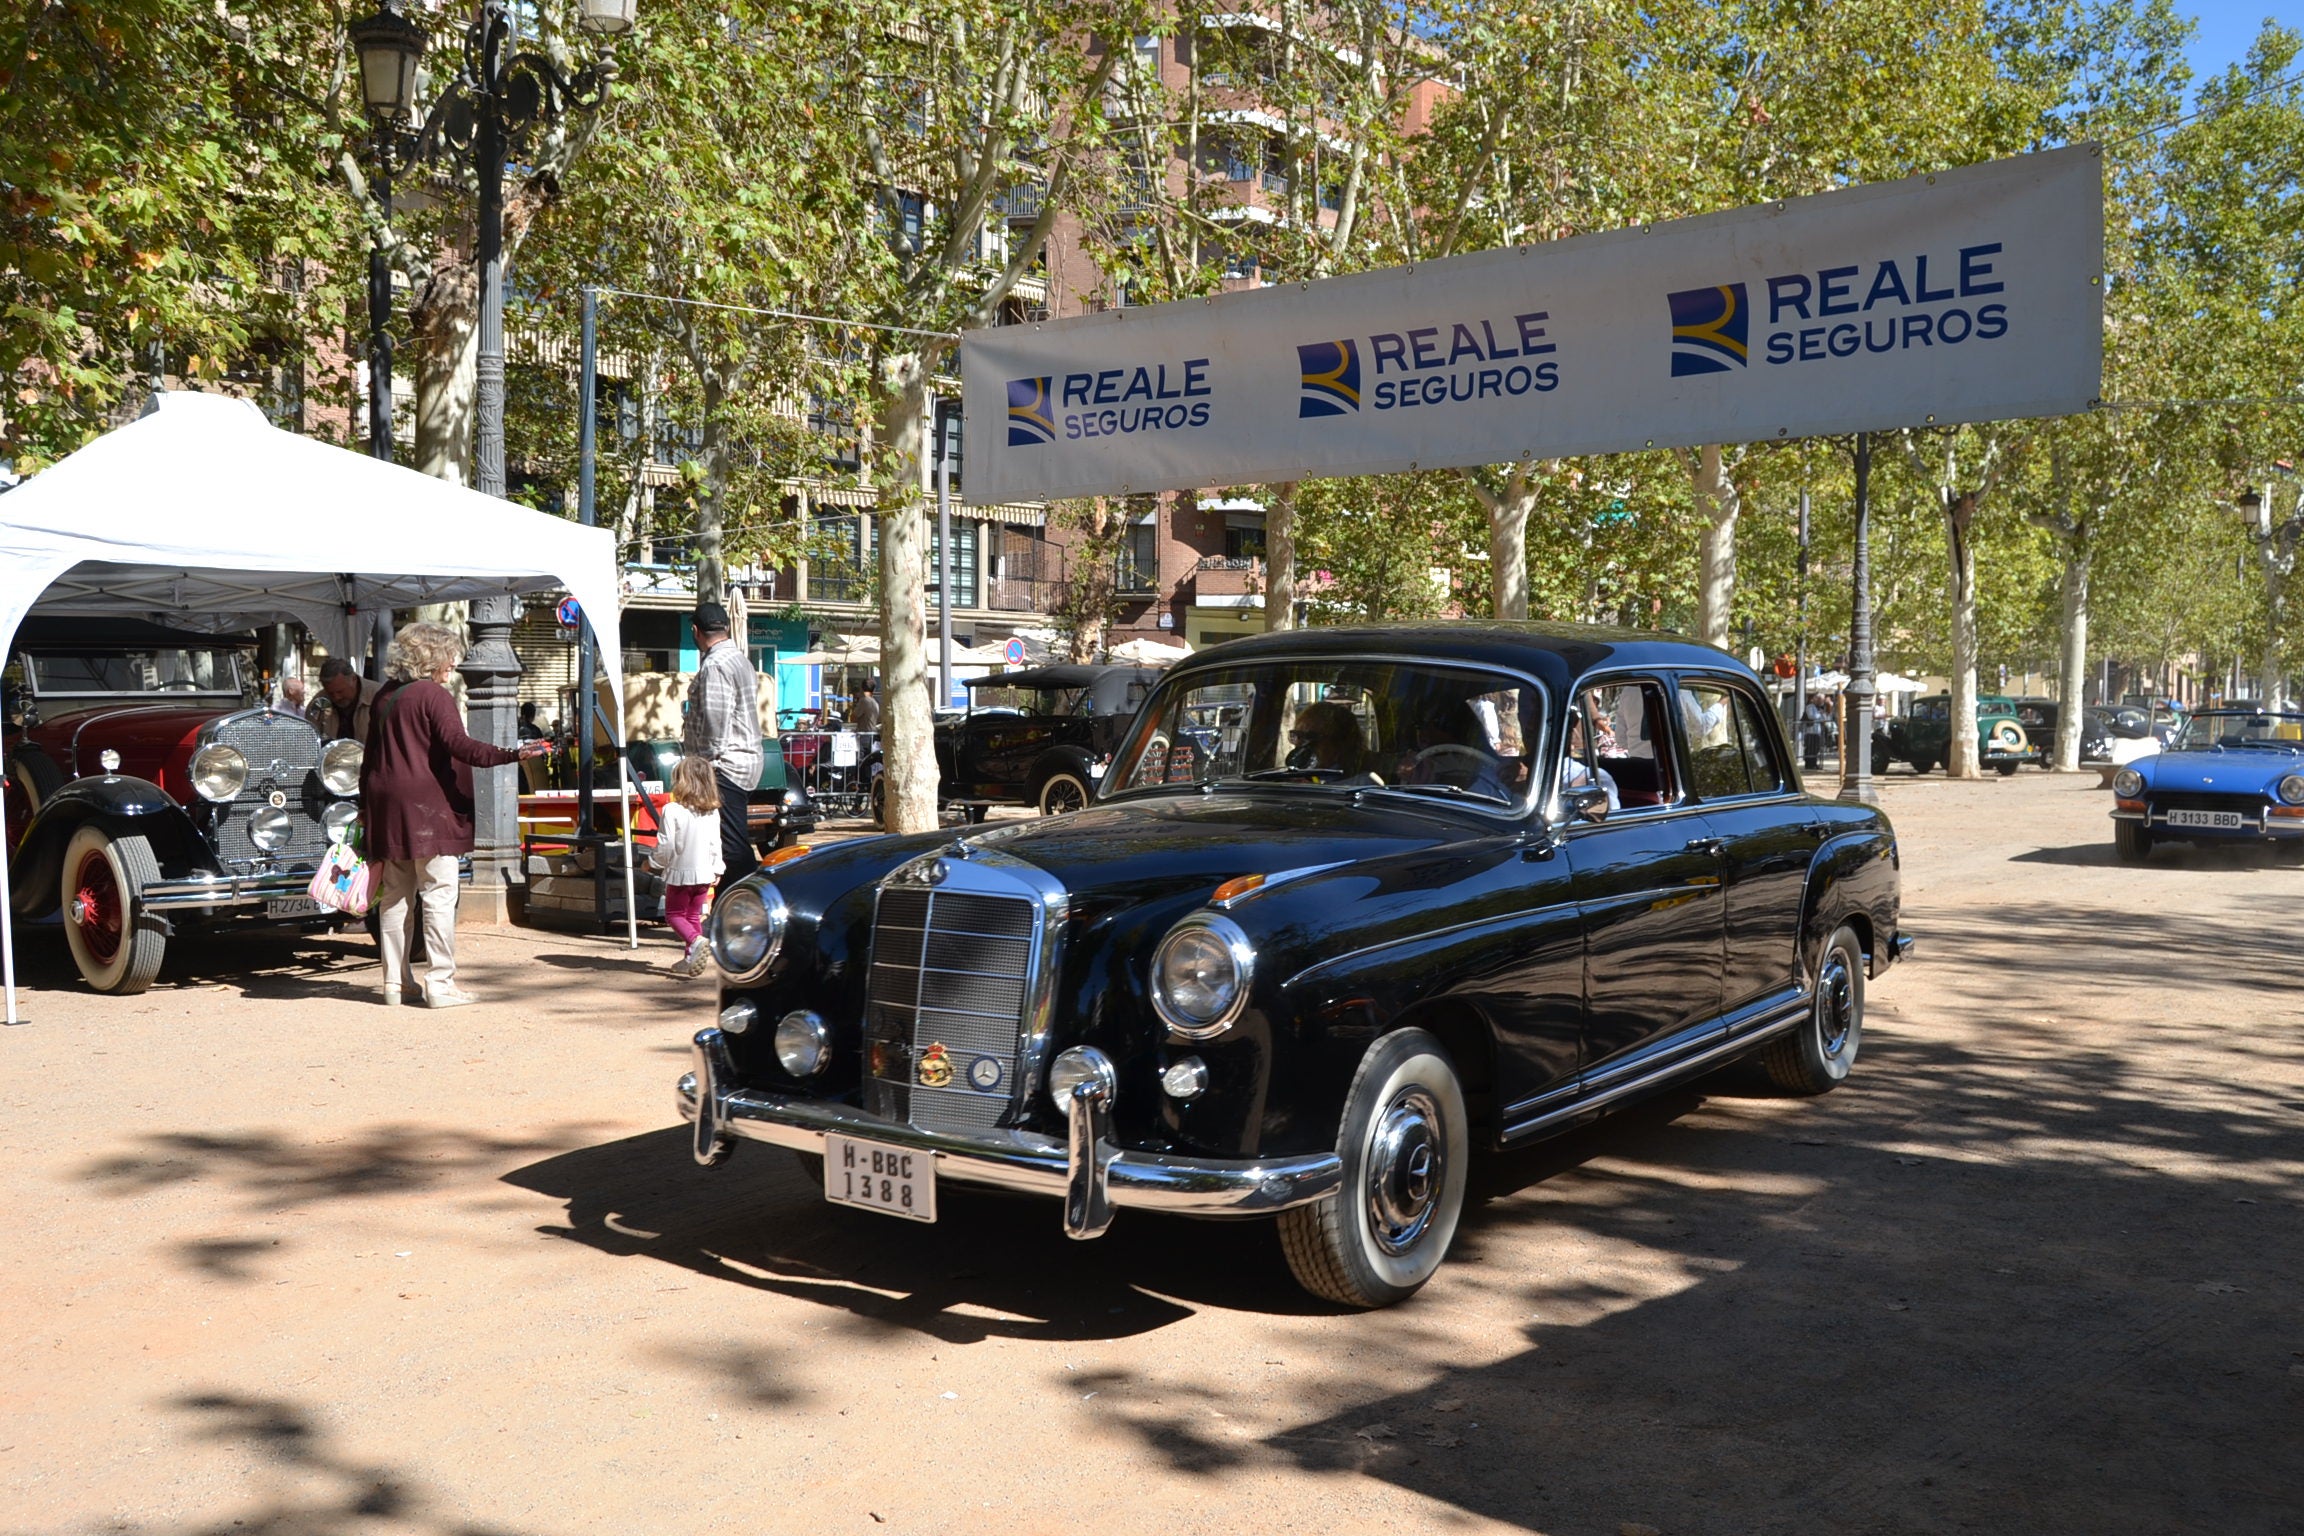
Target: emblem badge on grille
935,1068
277,800
984,1073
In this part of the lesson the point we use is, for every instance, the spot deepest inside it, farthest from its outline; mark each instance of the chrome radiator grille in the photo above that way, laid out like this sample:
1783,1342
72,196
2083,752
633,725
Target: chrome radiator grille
283,753
951,973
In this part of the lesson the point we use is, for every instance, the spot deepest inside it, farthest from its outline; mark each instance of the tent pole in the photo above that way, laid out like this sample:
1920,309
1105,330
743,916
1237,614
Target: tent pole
631,902
7,919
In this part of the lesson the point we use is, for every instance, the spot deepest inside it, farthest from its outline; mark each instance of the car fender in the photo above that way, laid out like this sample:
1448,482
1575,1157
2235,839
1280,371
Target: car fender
1066,759
1852,879
126,807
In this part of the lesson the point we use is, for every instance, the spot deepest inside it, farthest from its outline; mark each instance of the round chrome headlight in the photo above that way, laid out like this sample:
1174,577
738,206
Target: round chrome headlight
338,819
1200,975
271,827
2127,784
2291,789
1076,1066
218,771
747,930
340,766
803,1043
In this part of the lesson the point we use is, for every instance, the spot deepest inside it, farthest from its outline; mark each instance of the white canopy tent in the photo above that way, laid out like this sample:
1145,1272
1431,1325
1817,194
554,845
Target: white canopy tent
204,516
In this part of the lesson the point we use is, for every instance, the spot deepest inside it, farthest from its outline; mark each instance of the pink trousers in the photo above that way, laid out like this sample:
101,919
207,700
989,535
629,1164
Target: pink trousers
684,910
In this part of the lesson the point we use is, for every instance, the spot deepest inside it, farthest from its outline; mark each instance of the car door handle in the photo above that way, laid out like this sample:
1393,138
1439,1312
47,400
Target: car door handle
1706,845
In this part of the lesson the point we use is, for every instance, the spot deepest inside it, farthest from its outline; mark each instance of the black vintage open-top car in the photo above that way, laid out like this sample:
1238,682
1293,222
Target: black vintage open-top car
1352,904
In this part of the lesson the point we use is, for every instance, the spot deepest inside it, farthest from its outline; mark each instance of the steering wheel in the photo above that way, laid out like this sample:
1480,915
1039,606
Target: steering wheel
1475,761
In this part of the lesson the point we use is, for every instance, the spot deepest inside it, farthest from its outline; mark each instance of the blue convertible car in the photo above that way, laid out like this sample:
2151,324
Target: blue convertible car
2231,775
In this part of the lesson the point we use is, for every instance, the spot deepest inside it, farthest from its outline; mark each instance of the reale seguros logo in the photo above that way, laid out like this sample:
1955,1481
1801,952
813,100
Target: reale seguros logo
1331,379
1029,418
1711,330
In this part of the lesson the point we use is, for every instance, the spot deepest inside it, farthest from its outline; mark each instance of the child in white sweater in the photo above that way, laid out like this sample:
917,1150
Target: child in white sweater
688,857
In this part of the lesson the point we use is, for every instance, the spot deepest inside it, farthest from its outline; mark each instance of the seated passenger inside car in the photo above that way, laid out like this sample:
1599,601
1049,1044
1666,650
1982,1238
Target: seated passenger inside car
1326,736
1452,748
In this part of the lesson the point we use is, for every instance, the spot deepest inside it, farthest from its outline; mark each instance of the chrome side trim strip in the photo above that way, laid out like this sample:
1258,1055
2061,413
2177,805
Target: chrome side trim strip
1686,1066
1017,1160
224,890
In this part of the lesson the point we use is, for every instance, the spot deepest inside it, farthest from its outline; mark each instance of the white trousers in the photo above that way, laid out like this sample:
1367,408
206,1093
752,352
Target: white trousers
405,889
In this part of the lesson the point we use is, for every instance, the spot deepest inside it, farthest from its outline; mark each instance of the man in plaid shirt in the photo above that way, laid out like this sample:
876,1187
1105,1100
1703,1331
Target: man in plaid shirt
724,725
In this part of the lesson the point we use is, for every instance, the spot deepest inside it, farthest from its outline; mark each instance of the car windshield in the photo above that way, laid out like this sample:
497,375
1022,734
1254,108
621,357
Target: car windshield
2278,731
1050,703
1321,725
165,669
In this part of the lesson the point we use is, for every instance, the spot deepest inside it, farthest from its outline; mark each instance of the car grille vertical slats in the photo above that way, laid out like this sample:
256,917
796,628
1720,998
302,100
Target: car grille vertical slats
950,970
283,753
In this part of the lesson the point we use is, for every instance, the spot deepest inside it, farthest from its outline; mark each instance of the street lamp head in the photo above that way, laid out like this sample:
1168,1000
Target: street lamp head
607,18
390,47
2250,502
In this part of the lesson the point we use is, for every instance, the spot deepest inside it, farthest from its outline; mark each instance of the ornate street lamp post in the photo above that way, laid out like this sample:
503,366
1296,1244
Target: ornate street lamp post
390,48
501,95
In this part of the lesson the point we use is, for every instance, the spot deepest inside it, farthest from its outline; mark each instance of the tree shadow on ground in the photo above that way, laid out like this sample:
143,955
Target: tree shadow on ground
273,1172
990,1266
2166,856
260,964
2025,1286
316,1490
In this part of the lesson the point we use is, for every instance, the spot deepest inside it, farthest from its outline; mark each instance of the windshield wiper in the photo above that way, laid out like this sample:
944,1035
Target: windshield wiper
1455,791
1316,775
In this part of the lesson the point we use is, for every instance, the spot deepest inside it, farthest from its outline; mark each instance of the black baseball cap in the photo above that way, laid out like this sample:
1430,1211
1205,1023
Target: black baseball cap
709,615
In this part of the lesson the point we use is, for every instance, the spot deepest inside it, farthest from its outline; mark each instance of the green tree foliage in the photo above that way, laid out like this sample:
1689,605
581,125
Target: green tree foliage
157,166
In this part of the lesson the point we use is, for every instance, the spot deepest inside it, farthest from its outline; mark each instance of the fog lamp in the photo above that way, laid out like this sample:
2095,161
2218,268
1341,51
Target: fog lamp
1185,1079
738,1016
1078,1065
270,828
338,819
803,1043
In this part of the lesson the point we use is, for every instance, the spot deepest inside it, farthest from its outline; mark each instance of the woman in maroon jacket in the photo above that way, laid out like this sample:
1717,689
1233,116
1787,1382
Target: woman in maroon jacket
416,807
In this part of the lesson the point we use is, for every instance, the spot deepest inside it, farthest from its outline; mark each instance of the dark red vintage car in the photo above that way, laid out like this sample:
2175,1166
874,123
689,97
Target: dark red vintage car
146,800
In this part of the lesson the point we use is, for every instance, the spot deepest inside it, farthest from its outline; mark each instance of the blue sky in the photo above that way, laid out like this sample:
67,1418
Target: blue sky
2227,27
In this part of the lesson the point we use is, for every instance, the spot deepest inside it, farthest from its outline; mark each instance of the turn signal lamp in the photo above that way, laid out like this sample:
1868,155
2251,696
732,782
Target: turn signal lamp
1233,890
786,855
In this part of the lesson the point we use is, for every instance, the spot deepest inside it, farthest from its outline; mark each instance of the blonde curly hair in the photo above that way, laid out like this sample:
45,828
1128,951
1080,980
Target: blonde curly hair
420,650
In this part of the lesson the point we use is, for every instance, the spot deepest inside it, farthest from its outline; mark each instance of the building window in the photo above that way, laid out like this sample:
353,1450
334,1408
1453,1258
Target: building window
963,563
1139,563
1243,541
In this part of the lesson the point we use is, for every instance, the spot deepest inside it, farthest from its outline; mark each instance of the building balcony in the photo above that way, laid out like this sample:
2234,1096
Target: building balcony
1227,576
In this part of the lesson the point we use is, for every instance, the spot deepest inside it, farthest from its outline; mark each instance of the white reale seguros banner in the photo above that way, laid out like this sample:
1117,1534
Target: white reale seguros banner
1970,295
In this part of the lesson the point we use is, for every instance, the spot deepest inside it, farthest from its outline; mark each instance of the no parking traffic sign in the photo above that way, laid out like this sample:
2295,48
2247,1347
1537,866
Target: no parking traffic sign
568,613
1015,651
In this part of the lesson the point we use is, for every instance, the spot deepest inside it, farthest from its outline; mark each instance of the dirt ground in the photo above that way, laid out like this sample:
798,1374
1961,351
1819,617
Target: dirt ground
288,1262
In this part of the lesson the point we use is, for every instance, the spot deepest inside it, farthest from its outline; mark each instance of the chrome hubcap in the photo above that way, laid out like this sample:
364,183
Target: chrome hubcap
1407,1165
1835,1005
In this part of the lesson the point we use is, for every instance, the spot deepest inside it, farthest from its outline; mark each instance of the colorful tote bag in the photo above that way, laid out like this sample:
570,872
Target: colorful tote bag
341,882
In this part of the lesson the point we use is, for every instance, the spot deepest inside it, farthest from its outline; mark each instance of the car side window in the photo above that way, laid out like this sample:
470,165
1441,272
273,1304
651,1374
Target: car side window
1715,757
1628,742
1765,771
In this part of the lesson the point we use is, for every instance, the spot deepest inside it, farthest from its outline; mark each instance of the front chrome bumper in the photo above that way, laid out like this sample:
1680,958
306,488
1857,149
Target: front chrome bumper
1085,1170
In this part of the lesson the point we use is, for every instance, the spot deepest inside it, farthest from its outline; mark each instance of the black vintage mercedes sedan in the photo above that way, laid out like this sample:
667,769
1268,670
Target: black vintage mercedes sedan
1351,905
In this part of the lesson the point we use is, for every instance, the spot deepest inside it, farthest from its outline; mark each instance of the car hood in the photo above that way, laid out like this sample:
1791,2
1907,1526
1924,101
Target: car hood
122,726
1159,844
2240,771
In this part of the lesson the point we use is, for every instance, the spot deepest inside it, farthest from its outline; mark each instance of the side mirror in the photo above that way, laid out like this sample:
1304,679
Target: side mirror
1589,803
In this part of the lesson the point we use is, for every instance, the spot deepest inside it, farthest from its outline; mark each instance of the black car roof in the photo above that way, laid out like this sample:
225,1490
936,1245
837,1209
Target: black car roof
1556,654
80,635
1063,675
